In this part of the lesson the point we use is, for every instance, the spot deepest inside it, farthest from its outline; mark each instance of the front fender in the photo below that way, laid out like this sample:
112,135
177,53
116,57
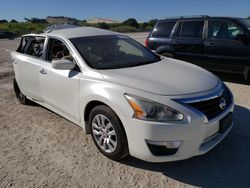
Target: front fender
164,48
110,94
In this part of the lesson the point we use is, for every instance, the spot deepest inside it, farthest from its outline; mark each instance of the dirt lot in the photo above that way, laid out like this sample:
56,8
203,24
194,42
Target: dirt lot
38,148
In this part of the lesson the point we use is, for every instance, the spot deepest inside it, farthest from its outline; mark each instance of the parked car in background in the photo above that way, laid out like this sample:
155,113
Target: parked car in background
215,43
7,35
128,98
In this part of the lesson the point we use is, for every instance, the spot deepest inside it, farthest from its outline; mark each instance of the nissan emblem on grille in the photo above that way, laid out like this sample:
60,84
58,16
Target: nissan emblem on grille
222,103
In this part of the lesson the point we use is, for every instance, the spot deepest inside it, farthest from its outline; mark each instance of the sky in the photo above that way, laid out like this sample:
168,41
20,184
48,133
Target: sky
142,10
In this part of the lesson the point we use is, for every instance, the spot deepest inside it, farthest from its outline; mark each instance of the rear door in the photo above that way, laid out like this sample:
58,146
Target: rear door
188,42
60,88
222,46
27,60
161,36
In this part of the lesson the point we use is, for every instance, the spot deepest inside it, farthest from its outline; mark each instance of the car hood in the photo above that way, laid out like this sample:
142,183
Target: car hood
166,77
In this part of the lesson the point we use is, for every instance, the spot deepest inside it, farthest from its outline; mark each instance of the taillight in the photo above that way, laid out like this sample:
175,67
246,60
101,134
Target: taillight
146,42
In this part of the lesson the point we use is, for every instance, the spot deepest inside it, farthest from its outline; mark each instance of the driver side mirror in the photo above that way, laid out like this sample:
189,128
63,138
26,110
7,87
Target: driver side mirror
63,64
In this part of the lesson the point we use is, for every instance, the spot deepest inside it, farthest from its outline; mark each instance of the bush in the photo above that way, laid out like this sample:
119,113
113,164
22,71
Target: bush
124,29
103,25
143,25
23,28
148,28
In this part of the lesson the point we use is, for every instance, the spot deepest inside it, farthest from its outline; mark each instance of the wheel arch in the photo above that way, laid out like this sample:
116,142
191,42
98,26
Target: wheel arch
87,110
92,104
164,49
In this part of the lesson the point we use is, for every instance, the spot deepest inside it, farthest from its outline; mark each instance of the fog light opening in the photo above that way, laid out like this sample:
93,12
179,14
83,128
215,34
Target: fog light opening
168,144
161,148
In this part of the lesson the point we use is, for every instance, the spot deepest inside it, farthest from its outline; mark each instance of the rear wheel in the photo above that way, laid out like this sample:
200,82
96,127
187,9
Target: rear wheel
107,133
246,73
19,95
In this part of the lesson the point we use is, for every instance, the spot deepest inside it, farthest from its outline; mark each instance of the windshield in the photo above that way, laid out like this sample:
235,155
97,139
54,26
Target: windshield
113,51
246,22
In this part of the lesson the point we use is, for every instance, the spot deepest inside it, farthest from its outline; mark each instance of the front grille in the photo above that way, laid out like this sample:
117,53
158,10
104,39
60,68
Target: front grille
212,107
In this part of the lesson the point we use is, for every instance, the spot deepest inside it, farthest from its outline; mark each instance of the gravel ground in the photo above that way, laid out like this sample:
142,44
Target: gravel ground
38,148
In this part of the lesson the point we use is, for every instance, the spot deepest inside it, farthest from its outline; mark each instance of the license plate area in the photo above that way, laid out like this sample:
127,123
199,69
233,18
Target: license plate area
226,122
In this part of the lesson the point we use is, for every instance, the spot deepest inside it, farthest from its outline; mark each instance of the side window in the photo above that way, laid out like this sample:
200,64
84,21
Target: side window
21,46
58,50
192,29
223,30
32,45
163,29
126,48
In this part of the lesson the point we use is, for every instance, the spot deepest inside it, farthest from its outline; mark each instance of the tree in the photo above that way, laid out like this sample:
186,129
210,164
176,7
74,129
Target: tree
13,21
3,21
152,22
131,22
143,25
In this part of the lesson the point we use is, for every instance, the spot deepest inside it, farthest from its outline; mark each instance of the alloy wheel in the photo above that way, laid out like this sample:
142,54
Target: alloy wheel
104,133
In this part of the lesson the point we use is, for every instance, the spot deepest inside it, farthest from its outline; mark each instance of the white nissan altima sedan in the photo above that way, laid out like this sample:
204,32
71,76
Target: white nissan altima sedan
129,99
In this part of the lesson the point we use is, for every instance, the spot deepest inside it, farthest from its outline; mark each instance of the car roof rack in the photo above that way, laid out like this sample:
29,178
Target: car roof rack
58,27
190,16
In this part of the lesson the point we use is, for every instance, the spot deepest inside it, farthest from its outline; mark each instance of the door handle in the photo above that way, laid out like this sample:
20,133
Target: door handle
42,71
175,42
211,44
14,61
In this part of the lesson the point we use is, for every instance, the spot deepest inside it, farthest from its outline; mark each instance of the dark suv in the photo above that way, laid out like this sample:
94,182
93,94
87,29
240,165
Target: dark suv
7,35
215,43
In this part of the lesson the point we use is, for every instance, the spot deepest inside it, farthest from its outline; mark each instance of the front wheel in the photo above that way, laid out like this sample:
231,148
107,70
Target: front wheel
167,54
108,133
19,95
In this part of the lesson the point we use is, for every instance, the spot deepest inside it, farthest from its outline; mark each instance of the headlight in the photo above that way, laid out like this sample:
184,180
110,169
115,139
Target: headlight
152,111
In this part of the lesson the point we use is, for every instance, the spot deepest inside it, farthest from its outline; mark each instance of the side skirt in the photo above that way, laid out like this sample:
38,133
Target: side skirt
80,124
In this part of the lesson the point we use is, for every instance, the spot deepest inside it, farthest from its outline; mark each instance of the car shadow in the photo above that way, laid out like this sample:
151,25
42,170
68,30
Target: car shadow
227,165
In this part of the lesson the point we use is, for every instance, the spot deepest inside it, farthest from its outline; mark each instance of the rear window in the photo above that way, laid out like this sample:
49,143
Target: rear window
190,29
32,45
163,29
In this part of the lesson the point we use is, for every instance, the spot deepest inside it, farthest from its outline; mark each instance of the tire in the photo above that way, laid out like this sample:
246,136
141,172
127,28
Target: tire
167,54
107,133
19,95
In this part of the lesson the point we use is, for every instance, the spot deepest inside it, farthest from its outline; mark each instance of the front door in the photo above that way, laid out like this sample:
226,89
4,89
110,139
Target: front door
60,88
223,47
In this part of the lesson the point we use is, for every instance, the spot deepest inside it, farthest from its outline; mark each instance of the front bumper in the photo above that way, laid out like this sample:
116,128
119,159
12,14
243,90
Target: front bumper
197,137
